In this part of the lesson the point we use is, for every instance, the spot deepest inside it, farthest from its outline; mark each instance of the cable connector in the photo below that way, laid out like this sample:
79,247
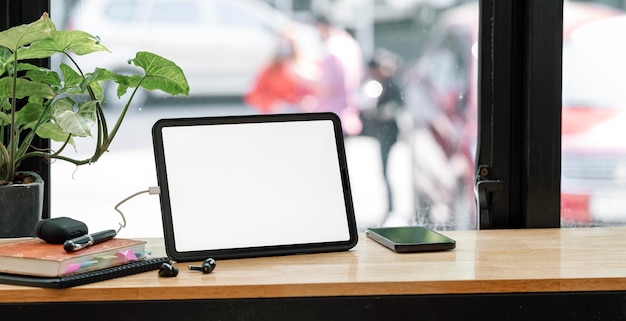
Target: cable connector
154,190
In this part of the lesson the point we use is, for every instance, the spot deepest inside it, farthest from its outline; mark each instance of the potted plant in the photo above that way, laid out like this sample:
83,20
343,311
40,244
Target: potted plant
61,106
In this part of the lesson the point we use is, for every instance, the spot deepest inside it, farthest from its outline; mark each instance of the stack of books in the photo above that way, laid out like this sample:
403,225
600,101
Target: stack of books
33,262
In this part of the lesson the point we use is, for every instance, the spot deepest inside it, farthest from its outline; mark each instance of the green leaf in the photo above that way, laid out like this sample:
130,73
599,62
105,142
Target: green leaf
54,132
28,115
5,119
129,82
44,75
161,74
19,36
76,41
5,104
24,88
5,55
77,123
97,90
100,75
71,76
24,66
134,80
73,81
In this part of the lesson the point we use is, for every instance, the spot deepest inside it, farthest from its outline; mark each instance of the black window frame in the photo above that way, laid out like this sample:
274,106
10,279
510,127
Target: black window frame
519,114
519,135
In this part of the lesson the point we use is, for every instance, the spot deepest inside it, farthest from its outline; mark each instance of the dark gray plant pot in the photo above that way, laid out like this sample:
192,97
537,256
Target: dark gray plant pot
21,206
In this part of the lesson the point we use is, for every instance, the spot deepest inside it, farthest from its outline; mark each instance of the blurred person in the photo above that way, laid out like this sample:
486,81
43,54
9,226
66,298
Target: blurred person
279,88
341,73
388,101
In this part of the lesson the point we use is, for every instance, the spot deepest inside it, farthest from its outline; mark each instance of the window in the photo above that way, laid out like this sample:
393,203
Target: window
143,212
593,156
440,96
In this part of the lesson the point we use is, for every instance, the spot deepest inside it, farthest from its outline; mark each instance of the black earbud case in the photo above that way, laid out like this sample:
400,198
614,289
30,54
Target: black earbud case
60,229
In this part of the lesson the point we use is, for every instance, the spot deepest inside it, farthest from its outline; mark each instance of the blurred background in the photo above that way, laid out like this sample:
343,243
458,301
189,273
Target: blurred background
411,127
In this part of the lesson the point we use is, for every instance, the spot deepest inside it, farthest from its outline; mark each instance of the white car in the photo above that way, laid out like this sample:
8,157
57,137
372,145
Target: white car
220,44
354,13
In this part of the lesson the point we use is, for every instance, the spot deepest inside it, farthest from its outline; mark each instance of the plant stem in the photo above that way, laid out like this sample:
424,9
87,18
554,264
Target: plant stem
12,130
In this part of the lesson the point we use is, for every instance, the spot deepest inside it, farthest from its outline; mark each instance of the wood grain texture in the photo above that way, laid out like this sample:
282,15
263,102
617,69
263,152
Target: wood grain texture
488,261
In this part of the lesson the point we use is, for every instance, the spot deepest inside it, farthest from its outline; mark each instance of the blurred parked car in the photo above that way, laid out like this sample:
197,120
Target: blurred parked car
220,44
594,124
441,94
351,13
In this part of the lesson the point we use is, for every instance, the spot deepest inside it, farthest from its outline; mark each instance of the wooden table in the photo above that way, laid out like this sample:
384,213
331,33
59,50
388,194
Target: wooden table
492,274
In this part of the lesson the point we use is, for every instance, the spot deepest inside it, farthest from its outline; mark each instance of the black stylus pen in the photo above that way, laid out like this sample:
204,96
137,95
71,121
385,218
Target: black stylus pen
84,241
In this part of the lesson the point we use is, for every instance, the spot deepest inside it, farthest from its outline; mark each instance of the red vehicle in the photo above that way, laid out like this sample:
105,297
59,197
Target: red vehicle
441,95
594,124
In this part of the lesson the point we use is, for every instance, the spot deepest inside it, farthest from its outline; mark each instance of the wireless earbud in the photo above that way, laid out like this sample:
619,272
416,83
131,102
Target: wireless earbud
207,266
167,270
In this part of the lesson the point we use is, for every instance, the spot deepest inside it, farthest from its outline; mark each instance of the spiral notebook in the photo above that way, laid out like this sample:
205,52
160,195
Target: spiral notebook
77,279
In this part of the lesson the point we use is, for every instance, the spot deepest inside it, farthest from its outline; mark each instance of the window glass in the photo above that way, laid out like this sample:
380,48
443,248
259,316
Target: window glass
408,106
443,111
229,15
174,13
593,183
410,142
122,11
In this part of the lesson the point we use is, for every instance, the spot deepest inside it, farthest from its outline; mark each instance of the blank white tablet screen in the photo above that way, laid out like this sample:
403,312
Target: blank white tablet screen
254,184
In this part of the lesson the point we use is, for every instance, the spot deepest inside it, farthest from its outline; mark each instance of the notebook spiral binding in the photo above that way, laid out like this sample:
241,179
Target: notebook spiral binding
113,272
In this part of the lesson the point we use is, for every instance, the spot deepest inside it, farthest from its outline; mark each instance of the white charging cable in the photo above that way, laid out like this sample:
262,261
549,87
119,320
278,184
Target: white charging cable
153,190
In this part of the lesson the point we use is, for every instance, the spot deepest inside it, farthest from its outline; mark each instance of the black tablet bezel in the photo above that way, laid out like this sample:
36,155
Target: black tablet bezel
229,253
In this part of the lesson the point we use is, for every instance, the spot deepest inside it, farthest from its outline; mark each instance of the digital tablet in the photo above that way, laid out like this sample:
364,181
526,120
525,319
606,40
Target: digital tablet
407,239
255,185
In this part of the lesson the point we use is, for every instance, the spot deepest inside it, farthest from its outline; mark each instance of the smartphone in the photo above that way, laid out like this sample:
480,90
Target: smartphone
408,239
